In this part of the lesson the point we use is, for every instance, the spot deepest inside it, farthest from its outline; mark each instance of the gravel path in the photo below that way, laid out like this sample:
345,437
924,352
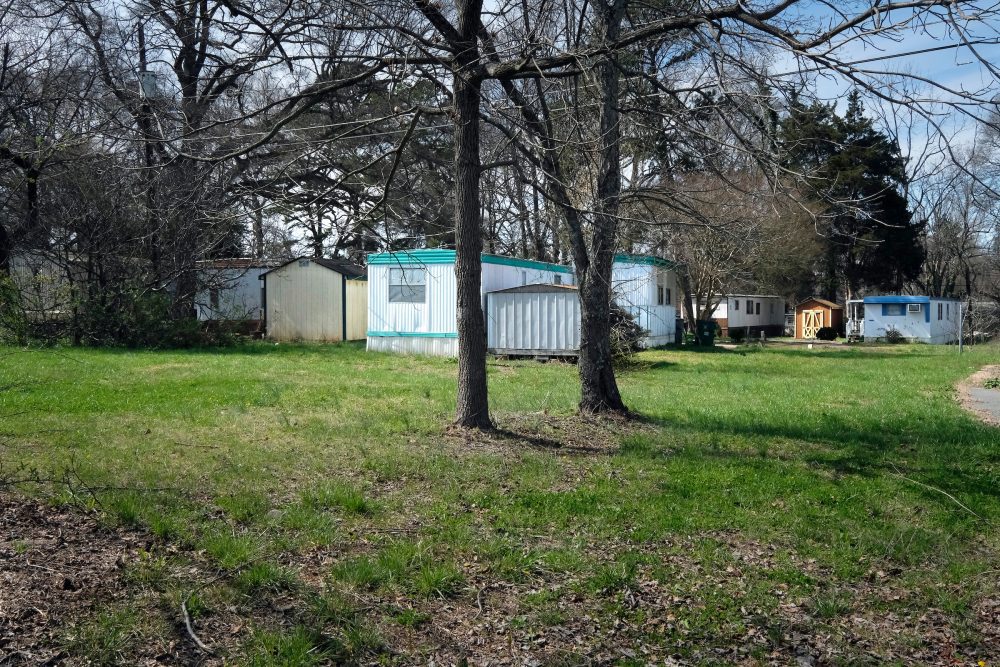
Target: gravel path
983,402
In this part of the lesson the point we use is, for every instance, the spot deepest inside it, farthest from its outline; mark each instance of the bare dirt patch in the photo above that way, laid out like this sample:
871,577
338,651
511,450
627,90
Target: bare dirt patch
971,390
574,435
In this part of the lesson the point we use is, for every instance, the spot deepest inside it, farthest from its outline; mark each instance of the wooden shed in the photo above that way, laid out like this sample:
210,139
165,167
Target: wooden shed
814,313
315,298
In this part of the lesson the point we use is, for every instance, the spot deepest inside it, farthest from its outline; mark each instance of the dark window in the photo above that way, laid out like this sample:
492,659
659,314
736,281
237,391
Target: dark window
407,285
757,306
213,298
749,307
659,295
940,311
669,301
947,310
558,279
736,304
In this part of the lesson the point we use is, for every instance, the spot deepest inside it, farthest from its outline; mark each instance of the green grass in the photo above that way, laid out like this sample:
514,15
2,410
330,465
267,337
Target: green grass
760,476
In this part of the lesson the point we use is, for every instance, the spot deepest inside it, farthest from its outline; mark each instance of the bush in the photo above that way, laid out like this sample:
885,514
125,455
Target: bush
626,335
737,335
826,333
893,335
13,322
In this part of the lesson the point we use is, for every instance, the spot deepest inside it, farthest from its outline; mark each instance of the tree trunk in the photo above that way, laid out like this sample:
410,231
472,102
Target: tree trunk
599,389
472,407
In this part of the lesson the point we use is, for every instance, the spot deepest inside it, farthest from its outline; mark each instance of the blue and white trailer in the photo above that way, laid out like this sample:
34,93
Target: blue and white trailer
918,319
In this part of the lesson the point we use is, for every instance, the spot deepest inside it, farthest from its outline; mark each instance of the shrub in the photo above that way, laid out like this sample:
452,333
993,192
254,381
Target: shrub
13,322
826,333
626,334
737,335
893,335
992,383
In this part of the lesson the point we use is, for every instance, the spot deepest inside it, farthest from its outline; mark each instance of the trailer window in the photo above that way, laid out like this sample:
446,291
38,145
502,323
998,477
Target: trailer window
407,285
940,311
894,309
749,307
736,304
557,279
757,311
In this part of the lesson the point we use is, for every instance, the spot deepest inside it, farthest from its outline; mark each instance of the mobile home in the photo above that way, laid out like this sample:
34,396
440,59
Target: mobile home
317,299
754,313
231,289
919,319
412,296
647,288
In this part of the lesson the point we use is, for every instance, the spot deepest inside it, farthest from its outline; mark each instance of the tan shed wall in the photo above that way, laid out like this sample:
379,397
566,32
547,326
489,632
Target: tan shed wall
304,303
357,309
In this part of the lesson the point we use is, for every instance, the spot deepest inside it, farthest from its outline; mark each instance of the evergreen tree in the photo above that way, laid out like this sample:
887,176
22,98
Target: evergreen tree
858,172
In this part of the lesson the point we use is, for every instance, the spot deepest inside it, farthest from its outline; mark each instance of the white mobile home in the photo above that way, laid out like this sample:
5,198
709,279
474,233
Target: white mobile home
412,296
647,288
754,313
231,289
314,298
920,319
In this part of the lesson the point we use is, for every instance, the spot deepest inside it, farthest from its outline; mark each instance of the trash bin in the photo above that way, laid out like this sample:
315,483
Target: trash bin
704,333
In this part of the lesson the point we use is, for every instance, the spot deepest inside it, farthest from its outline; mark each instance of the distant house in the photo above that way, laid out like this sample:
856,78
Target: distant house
45,284
315,299
919,319
231,290
753,313
814,314
412,296
647,288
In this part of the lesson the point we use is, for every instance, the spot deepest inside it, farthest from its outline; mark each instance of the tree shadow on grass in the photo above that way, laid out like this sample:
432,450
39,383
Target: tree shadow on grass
954,454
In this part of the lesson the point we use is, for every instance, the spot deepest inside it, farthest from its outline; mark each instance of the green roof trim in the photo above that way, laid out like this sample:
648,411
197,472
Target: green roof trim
651,260
411,334
438,256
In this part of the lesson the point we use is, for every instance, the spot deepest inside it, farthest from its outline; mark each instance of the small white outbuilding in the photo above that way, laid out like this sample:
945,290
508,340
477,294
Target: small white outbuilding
918,319
316,299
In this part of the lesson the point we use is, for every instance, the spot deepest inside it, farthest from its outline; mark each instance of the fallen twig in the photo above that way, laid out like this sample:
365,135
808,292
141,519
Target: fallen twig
190,630
942,492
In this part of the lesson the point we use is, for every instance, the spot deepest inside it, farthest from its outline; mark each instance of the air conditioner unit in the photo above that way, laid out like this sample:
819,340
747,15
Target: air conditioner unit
913,307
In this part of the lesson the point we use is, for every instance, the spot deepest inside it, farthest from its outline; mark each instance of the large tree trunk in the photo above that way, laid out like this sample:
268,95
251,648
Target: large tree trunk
472,407
599,389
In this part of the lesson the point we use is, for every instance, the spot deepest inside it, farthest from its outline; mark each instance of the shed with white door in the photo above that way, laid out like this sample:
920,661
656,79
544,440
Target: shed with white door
918,319
412,296
646,286
815,313
316,299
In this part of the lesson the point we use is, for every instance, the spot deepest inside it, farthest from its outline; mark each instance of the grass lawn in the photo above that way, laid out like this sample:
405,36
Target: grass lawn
311,505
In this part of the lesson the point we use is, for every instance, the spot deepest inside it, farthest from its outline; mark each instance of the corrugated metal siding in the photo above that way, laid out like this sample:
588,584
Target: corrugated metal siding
438,347
533,323
634,289
304,303
357,309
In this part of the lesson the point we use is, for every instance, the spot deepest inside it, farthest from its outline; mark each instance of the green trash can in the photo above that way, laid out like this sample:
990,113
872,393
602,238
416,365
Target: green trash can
704,333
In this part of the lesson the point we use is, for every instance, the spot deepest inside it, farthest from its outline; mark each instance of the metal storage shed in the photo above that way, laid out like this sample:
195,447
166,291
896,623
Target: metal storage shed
315,298
538,320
